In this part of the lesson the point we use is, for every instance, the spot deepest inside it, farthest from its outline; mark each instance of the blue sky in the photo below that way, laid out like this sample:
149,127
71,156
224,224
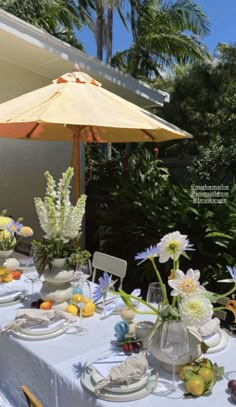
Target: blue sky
222,15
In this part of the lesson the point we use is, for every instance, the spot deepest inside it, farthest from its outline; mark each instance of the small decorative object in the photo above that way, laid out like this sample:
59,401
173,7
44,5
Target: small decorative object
200,376
191,302
11,232
58,252
127,314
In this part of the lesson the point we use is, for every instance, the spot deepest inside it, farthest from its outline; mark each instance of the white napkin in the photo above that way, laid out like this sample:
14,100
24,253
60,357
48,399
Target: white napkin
132,368
104,366
36,316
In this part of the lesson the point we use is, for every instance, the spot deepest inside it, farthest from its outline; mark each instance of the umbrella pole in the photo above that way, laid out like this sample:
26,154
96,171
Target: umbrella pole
76,163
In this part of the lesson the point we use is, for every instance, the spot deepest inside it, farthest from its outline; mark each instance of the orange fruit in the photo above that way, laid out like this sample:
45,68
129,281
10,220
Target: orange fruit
7,277
16,275
46,305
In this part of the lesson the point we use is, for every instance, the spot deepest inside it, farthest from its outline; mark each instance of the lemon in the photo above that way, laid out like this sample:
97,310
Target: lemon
72,309
88,309
2,270
77,298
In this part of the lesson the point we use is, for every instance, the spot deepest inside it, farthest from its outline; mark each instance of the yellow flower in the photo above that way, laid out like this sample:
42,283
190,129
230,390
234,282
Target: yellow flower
4,221
4,234
26,231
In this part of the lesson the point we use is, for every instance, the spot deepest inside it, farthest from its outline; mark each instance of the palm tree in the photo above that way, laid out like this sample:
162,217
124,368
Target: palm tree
57,17
164,32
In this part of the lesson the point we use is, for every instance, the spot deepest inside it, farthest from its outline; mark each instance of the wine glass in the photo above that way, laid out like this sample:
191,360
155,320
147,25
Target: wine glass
32,278
86,298
174,343
84,270
154,294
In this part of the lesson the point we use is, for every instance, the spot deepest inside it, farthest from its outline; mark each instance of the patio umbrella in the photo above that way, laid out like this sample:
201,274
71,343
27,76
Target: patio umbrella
75,107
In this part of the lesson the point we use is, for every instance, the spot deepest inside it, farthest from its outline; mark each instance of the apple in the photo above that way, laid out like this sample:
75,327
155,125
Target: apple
127,347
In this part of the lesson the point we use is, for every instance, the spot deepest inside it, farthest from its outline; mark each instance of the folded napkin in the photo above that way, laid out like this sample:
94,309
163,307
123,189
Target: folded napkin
118,303
32,317
132,368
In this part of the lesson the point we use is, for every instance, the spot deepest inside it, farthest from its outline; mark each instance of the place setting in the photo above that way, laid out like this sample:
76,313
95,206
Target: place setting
36,324
120,377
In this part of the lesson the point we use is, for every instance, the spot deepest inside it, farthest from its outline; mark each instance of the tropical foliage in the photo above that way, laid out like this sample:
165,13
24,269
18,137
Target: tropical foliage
144,205
164,32
57,17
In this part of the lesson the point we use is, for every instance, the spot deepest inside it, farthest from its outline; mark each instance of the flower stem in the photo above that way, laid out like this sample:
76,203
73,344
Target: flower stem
228,292
163,288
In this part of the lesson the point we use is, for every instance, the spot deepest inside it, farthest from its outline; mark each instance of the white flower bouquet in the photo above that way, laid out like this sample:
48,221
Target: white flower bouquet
191,302
61,223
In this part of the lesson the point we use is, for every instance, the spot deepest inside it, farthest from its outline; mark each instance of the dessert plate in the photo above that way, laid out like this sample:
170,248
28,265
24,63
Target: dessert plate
9,296
22,335
121,388
89,384
43,329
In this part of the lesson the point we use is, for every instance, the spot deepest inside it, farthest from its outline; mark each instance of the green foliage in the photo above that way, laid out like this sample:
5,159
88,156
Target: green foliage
144,205
46,250
203,102
160,37
58,17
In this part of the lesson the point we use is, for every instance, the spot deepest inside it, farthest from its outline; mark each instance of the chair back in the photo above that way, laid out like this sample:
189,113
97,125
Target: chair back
31,399
110,264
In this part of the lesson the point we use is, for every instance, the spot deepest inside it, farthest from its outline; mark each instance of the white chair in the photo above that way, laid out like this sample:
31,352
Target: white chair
113,265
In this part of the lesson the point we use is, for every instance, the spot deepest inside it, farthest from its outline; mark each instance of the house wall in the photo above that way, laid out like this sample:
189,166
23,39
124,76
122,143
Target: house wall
23,162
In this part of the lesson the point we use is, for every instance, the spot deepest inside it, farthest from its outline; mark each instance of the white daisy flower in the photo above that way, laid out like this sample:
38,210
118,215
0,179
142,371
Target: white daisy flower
186,284
195,311
11,264
172,246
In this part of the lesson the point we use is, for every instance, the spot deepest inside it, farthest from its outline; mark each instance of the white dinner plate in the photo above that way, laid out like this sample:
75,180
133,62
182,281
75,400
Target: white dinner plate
217,341
89,384
43,329
9,296
122,388
21,335
14,302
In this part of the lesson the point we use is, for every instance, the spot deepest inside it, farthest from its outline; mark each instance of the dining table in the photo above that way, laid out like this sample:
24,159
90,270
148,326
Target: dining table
52,367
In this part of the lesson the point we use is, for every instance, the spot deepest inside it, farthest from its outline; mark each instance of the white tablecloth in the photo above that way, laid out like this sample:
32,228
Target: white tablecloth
51,368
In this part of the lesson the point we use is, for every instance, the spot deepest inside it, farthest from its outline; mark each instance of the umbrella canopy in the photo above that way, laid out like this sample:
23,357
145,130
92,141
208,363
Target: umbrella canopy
76,107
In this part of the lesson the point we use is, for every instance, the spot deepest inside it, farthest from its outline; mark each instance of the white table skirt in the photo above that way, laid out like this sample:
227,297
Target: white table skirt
50,368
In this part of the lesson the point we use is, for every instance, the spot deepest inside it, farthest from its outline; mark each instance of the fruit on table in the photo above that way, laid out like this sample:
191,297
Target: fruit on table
130,347
16,275
36,304
7,277
46,305
72,309
200,376
195,385
232,384
88,309
2,270
207,374
77,298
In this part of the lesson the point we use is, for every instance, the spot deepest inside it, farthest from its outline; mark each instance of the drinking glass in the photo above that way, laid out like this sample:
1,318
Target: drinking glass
84,270
79,330
174,343
154,294
32,278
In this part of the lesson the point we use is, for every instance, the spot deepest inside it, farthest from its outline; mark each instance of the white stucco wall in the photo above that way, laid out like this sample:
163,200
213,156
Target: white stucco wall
23,163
